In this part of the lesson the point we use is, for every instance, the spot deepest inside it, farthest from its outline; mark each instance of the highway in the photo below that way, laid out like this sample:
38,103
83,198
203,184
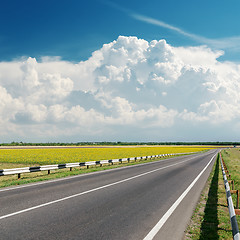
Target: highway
144,201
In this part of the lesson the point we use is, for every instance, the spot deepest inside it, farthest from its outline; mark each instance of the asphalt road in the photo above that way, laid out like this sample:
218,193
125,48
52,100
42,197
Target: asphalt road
124,203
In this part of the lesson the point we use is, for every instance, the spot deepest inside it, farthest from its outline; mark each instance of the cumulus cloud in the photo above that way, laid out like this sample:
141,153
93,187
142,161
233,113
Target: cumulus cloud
130,88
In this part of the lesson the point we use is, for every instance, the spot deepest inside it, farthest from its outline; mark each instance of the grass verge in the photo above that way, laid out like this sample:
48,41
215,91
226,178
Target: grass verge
211,217
231,158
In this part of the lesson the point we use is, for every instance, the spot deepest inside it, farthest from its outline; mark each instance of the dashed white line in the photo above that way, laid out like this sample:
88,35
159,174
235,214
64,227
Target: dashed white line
92,190
78,176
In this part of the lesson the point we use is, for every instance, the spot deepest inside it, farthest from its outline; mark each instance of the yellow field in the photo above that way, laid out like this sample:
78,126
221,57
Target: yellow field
67,155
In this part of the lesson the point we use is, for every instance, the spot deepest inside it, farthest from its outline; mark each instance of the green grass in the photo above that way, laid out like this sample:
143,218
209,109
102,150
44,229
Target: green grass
211,217
231,158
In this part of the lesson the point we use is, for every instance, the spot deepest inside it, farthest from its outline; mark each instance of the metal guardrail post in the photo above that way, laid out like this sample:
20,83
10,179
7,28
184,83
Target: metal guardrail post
237,203
237,199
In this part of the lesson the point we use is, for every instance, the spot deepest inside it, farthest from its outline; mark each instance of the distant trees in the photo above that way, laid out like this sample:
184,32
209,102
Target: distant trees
118,143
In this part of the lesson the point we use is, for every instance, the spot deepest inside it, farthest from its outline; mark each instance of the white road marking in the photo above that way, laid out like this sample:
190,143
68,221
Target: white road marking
165,217
92,190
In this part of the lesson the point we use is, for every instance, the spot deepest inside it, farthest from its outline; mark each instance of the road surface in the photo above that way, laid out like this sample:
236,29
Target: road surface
145,201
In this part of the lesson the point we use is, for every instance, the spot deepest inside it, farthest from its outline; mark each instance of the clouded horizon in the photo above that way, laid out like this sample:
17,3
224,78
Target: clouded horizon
129,90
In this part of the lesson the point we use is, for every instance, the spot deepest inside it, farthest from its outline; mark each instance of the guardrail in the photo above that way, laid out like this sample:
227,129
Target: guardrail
48,168
233,219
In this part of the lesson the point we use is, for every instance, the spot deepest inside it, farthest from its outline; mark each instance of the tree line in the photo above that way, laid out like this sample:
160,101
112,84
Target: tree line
119,143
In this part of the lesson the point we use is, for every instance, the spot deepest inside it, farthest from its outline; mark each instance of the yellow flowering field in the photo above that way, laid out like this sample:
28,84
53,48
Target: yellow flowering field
66,155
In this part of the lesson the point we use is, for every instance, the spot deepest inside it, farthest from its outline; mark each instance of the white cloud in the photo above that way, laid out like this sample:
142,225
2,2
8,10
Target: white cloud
231,43
168,26
228,43
130,89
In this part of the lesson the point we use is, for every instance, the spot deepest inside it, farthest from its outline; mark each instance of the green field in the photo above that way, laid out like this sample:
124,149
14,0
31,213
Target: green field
232,159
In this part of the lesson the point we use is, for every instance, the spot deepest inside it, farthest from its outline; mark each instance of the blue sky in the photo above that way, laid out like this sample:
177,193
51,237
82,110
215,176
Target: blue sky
133,70
74,29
